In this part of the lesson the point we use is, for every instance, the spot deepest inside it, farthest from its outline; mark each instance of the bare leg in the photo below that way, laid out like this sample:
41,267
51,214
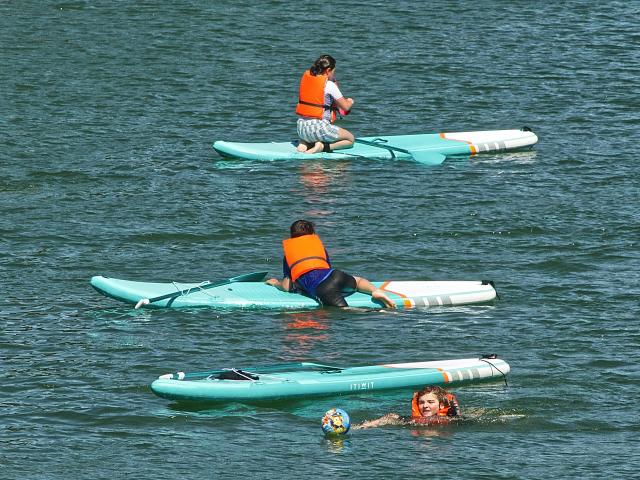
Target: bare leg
341,144
302,146
345,140
316,148
365,286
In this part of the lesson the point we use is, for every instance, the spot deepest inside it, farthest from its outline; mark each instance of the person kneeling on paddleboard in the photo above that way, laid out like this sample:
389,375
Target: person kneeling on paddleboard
432,405
306,267
318,101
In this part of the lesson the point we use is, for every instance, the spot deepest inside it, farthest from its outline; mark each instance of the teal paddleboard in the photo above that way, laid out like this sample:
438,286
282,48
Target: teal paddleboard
431,148
310,379
237,293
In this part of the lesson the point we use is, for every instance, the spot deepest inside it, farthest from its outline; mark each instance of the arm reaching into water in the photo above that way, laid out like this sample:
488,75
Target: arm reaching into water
388,419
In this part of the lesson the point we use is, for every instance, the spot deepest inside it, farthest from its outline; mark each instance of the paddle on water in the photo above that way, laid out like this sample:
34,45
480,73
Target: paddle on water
247,277
426,157
268,369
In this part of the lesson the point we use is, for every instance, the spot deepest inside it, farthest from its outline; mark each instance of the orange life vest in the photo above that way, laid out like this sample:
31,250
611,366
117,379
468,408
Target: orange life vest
304,254
450,407
311,97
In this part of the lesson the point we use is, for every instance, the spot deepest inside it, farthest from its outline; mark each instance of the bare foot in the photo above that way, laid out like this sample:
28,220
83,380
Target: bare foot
382,297
316,148
302,147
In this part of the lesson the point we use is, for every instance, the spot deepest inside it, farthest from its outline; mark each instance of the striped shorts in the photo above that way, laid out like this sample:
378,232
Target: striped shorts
315,130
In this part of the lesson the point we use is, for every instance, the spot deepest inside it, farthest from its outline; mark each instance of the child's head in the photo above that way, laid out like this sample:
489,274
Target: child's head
301,227
428,401
322,64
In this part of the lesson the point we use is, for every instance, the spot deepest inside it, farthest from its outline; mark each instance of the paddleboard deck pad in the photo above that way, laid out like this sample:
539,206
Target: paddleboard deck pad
310,379
440,145
405,294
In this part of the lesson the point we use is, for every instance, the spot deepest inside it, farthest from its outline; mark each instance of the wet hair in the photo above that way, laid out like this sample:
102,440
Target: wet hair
448,403
322,63
302,227
439,392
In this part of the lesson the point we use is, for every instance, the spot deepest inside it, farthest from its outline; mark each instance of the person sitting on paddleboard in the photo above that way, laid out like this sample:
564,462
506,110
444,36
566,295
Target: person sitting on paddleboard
318,101
431,405
306,266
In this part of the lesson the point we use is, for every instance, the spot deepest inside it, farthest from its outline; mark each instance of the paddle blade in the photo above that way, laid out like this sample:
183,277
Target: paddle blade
427,157
249,277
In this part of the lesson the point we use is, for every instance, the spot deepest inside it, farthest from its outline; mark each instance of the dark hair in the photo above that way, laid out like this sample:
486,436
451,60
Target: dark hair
322,63
301,227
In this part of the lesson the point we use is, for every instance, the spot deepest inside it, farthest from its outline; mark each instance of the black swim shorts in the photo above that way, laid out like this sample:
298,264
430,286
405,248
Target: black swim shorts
332,290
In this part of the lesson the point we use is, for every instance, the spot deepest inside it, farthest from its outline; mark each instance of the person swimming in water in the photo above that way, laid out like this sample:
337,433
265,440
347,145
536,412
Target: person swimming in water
431,405
307,268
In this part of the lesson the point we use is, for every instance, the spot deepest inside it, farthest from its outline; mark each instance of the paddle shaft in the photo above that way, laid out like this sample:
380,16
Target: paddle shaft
248,277
283,367
386,147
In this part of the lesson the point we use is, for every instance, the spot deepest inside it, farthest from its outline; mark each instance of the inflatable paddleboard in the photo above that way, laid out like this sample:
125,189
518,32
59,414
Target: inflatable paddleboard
254,294
429,148
311,379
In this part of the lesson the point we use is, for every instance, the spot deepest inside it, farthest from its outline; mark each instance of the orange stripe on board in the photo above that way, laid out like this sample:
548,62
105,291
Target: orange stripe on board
383,287
473,149
406,302
444,136
446,377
